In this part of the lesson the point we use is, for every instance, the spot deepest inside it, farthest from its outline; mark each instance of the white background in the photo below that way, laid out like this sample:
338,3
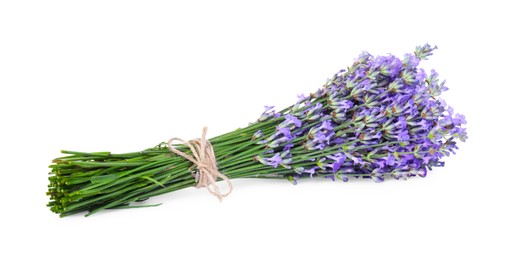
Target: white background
121,76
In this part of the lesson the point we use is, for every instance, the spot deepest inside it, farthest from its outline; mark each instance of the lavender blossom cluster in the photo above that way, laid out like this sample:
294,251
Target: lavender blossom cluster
380,117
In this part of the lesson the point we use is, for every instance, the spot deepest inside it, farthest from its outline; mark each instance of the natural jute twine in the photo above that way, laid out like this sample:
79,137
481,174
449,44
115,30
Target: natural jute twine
205,161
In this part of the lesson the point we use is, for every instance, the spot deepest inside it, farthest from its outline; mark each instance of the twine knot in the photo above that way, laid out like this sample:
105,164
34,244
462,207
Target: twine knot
204,159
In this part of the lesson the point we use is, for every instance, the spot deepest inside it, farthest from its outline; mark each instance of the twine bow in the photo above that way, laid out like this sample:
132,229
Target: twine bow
205,161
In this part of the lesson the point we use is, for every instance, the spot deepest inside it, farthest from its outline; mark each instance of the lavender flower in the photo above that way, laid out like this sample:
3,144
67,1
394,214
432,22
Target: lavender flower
380,117
273,161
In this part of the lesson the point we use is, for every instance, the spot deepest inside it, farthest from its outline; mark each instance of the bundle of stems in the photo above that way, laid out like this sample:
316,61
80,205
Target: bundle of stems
380,117
101,180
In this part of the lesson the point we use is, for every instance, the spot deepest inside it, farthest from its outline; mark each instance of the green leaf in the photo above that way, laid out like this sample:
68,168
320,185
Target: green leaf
136,206
104,178
153,181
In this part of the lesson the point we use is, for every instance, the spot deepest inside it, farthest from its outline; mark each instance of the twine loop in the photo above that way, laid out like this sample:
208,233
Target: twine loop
203,158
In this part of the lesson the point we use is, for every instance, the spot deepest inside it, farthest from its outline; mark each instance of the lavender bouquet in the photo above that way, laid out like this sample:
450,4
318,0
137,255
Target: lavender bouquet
378,118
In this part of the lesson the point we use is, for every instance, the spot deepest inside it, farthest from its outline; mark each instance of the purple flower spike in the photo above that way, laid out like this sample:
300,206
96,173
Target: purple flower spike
291,121
380,117
273,161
